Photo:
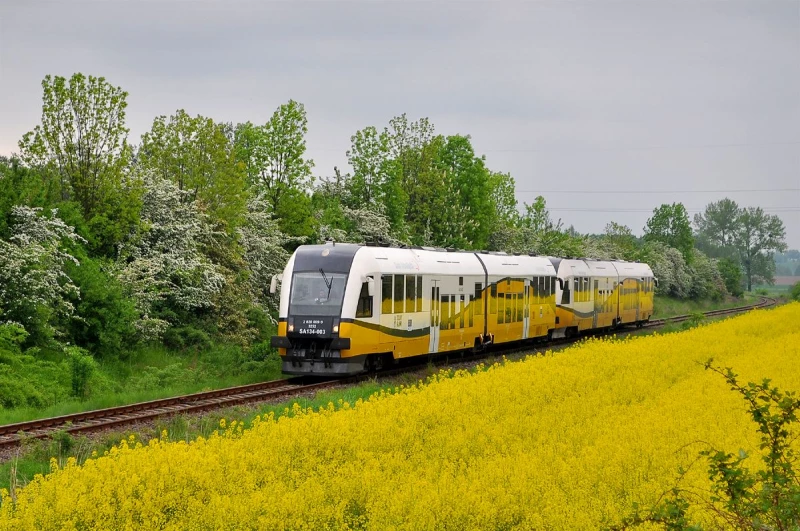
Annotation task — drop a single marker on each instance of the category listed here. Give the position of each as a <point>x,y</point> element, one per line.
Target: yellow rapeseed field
<point>562,441</point>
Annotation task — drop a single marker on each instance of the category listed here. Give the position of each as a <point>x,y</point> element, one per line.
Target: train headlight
<point>335,329</point>
<point>290,328</point>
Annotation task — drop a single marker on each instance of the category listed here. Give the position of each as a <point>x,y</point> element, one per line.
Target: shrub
<point>796,291</point>
<point>83,367</point>
<point>745,499</point>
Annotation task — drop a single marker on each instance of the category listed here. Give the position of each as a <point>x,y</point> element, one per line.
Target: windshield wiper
<point>328,283</point>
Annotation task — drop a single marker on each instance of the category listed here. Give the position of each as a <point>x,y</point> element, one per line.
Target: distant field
<point>786,281</point>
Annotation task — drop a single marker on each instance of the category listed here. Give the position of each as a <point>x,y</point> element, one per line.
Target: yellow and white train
<point>348,308</point>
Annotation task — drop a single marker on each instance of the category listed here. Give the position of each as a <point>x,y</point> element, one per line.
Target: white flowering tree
<point>264,251</point>
<point>164,264</point>
<point>35,291</point>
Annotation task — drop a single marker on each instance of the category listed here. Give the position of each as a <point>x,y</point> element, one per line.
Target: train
<point>348,308</point>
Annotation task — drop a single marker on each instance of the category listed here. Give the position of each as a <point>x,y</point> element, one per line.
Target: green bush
<point>766,497</point>
<point>187,338</point>
<point>83,366</point>
<point>732,276</point>
<point>106,315</point>
<point>795,293</point>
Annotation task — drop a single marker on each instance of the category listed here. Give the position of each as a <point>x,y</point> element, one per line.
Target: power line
<point>650,210</point>
<point>660,191</point>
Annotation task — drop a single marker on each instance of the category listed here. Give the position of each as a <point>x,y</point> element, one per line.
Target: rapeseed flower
<point>568,440</point>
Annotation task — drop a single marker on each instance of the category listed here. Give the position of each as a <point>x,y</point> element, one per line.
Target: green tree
<point>732,275</point>
<point>757,237</point>
<point>717,227</point>
<point>795,293</point>
<point>81,141</point>
<point>196,155</point>
<point>621,240</point>
<point>273,154</point>
<point>670,225</point>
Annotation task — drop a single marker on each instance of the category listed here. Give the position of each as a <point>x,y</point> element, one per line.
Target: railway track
<point>101,419</point>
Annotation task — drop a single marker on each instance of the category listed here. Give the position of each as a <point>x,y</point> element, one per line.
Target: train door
<point>598,303</point>
<point>526,307</point>
<point>435,317</point>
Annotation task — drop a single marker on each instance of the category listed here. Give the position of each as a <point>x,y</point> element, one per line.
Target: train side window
<point>364,307</point>
<point>478,292</point>
<point>501,311</point>
<point>452,312</point>
<point>462,309</point>
<point>509,309</point>
<point>460,281</point>
<point>419,293</point>
<point>553,286</point>
<point>493,299</point>
<point>519,306</point>
<point>543,285</point>
<point>472,305</point>
<point>411,293</point>
<point>386,294</point>
<point>445,309</point>
<point>398,294</point>
<point>565,295</point>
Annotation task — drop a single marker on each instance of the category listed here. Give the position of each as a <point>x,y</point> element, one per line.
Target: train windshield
<point>317,293</point>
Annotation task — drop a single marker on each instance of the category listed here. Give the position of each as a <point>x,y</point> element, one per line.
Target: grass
<point>156,373</point>
<point>669,307</point>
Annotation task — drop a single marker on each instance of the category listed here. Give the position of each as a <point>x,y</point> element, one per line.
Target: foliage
<point>82,138</point>
<point>759,235</point>
<point>273,156</point>
<point>795,293</point>
<point>536,232</point>
<point>731,275</point>
<point>164,266</point>
<point>35,290</point>
<point>717,227</point>
<point>83,367</point>
<point>707,281</point>
<point>670,225</point>
<point>456,458</point>
<point>196,155</point>
<point>743,497</point>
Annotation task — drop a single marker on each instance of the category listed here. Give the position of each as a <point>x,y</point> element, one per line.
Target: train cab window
<point>493,299</point>
<point>411,293</point>
<point>565,294</point>
<point>419,293</point>
<point>398,294</point>
<point>543,291</point>
<point>386,294</point>
<point>445,308</point>
<point>478,305</point>
<point>364,307</point>
<point>552,286</point>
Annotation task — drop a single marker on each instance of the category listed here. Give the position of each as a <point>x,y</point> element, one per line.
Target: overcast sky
<point>681,99</point>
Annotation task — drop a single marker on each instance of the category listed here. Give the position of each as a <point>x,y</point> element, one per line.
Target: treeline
<point>106,244</point>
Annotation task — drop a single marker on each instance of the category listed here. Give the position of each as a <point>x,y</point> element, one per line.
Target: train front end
<point>313,293</point>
